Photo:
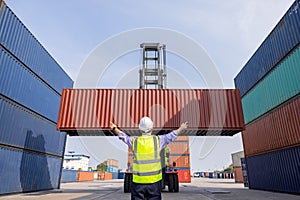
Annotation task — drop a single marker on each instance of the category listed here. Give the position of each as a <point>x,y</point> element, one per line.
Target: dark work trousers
<point>146,191</point>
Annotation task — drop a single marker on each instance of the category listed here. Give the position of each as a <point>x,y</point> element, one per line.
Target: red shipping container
<point>181,161</point>
<point>104,176</point>
<point>85,176</point>
<point>277,130</point>
<point>184,176</point>
<point>206,174</point>
<point>209,112</point>
<point>238,175</point>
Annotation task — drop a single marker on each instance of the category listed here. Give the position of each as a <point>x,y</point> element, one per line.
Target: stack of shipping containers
<point>179,153</point>
<point>112,167</point>
<point>270,89</point>
<point>31,150</point>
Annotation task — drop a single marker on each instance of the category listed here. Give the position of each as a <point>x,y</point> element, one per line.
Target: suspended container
<point>282,39</point>
<point>209,112</point>
<point>20,42</point>
<point>277,87</point>
<point>276,130</point>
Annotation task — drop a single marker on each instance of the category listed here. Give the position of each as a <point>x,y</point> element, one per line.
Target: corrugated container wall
<point>275,171</point>
<point>30,86</point>
<point>85,176</point>
<point>104,176</point>
<point>23,86</point>
<point>184,176</point>
<point>19,171</point>
<point>24,129</point>
<point>276,130</point>
<point>283,38</point>
<point>18,40</point>
<point>278,86</point>
<point>216,111</point>
<point>69,175</point>
<point>238,175</point>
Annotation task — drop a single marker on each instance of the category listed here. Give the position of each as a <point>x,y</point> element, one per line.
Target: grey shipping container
<point>275,171</point>
<point>69,175</point>
<point>280,85</point>
<point>236,158</point>
<point>24,171</point>
<point>283,38</point>
<point>18,40</point>
<point>24,129</point>
<point>19,84</point>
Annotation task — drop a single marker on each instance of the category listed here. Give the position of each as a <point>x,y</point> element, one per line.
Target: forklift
<point>169,175</point>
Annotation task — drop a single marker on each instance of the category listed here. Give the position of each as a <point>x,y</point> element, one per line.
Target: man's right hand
<point>182,127</point>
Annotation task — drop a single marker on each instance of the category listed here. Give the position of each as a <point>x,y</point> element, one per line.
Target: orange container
<point>104,176</point>
<point>212,110</point>
<point>179,147</point>
<point>112,162</point>
<point>184,176</point>
<point>182,138</point>
<point>238,175</point>
<point>181,161</point>
<point>206,174</point>
<point>85,176</point>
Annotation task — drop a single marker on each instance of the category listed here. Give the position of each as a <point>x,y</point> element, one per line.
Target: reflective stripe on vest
<point>146,163</point>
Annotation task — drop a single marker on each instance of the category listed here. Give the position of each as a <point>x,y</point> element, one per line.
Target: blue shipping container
<point>244,172</point>
<point>69,175</point>
<point>24,172</point>
<point>121,175</point>
<point>21,128</point>
<point>115,175</point>
<point>283,38</point>
<point>111,169</point>
<point>19,84</point>
<point>280,85</point>
<point>15,37</point>
<point>275,171</point>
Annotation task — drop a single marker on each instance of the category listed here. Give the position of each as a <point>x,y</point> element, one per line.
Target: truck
<point>170,179</point>
<point>169,174</point>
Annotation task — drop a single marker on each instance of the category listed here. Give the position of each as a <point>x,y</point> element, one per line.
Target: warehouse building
<point>76,161</point>
<point>31,81</point>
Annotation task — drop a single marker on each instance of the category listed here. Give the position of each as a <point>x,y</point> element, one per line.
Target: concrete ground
<point>200,188</point>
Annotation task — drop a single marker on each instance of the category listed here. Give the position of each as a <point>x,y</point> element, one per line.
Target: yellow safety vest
<point>146,159</point>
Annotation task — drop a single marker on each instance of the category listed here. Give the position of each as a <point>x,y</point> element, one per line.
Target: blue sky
<point>229,31</point>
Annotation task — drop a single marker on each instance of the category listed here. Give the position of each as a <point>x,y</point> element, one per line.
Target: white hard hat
<point>146,125</point>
